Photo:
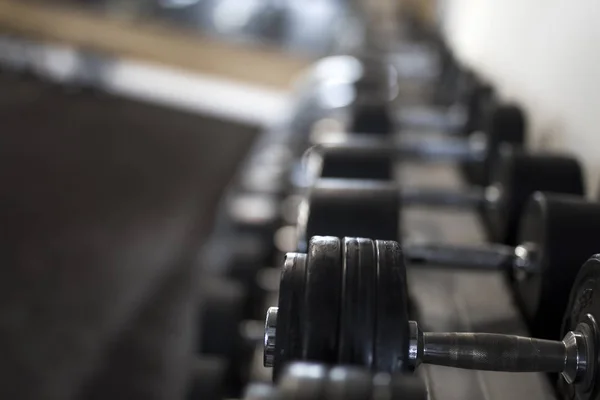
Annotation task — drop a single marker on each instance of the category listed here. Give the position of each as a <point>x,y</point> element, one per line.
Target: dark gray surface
<point>103,206</point>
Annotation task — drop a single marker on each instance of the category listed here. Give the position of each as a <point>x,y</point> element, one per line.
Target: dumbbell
<point>345,302</point>
<point>341,155</point>
<point>356,90</point>
<point>313,381</point>
<point>369,208</point>
<point>365,86</point>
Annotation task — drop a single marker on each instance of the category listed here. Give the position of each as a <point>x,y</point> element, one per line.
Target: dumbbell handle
<point>364,145</point>
<point>448,149</point>
<point>427,118</point>
<point>483,257</point>
<point>468,199</point>
<point>495,352</point>
<point>347,189</point>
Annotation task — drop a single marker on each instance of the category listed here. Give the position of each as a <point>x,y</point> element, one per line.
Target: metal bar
<point>484,257</point>
<point>494,352</point>
<point>468,199</point>
<point>448,149</point>
<point>364,145</point>
<point>431,119</point>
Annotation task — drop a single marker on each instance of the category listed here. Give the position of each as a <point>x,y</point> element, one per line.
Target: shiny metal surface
<point>426,118</point>
<point>270,336</point>
<point>526,260</point>
<point>479,257</point>
<point>405,148</point>
<point>496,352</point>
<point>509,353</point>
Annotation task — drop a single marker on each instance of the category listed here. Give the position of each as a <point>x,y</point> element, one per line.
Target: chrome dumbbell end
<point>525,260</point>
<point>270,337</point>
<point>572,357</point>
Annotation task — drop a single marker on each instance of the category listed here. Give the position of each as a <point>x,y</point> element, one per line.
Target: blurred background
<point>124,123</point>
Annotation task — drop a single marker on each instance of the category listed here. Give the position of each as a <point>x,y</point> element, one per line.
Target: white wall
<point>544,54</point>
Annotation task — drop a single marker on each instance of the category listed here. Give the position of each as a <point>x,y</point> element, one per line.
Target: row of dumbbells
<point>506,176</point>
<point>265,188</point>
<point>544,229</point>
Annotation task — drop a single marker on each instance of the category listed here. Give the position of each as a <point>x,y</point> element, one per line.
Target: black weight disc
<point>349,383</point>
<point>563,230</point>
<point>584,308</point>
<point>357,311</point>
<point>303,381</point>
<point>391,330</point>
<point>516,176</point>
<point>506,124</point>
<point>373,119</point>
<point>354,208</point>
<point>359,163</point>
<point>477,101</point>
<point>501,124</point>
<point>288,345</point>
<point>322,293</point>
<point>370,166</point>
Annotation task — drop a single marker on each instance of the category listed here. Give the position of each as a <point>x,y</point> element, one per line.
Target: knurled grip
<point>493,352</point>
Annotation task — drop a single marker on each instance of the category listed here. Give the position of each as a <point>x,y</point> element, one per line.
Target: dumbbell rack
<point>455,300</point>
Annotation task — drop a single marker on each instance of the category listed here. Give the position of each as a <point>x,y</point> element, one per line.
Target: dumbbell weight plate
<point>288,345</point>
<point>584,307</point>
<point>507,124</point>
<point>359,283</point>
<point>363,166</point>
<point>325,297</point>
<point>350,208</point>
<point>478,99</point>
<point>372,118</point>
<point>516,177</point>
<point>322,296</point>
<point>563,231</point>
<point>500,124</point>
<point>391,340</point>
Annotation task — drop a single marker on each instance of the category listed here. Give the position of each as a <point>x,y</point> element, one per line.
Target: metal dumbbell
<point>345,302</point>
<point>313,381</point>
<point>357,91</point>
<point>364,208</point>
<point>343,155</point>
<point>343,82</point>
